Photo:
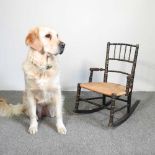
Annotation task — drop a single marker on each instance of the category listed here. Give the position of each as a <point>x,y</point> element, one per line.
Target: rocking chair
<point>114,91</point>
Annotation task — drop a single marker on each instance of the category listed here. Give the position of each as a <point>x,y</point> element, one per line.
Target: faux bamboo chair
<point>113,90</point>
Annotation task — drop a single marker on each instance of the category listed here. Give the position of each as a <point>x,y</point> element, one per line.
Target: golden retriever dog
<point>42,95</point>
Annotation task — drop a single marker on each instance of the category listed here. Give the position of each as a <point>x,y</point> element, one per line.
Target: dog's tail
<point>8,110</point>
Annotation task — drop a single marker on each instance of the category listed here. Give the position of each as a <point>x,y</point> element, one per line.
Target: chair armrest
<point>129,84</point>
<point>91,72</point>
<point>97,69</point>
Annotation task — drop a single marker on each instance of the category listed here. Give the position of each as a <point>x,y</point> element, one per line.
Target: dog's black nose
<point>62,45</point>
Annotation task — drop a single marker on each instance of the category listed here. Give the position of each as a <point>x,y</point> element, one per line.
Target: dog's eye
<point>48,36</point>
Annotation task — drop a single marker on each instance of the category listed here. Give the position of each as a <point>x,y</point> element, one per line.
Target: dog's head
<point>45,40</point>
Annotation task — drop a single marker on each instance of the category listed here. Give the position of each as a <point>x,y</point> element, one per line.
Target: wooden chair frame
<point>129,86</point>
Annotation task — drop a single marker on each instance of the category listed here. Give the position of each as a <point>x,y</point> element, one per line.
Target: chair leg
<point>112,110</point>
<point>76,109</point>
<point>77,97</point>
<point>129,104</point>
<point>104,100</point>
<point>127,115</point>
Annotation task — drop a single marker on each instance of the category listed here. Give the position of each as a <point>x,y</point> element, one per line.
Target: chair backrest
<point>121,52</point>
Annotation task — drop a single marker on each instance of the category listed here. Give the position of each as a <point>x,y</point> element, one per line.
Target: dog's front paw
<point>62,129</point>
<point>33,129</point>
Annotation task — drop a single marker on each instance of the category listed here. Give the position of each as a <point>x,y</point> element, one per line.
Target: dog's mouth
<point>49,54</point>
<point>60,50</point>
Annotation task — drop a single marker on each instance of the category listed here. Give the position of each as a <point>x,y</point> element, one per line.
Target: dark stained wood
<point>110,105</point>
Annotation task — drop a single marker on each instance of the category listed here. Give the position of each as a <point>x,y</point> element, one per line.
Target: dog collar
<point>46,67</point>
<point>43,67</point>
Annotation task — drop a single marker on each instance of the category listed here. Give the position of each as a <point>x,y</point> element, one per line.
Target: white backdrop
<point>85,26</point>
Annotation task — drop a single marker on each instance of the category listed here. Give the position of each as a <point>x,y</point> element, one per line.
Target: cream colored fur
<point>42,85</point>
<point>9,110</point>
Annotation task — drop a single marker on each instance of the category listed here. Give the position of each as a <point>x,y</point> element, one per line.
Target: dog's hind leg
<point>52,110</point>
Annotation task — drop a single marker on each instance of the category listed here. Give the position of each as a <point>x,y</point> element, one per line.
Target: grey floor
<point>86,134</point>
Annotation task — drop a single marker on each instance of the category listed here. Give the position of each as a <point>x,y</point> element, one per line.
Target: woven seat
<point>105,88</point>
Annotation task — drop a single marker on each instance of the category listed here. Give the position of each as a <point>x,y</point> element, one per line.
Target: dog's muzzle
<point>61,47</point>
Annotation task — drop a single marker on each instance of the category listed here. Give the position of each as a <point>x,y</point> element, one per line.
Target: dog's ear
<point>33,40</point>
